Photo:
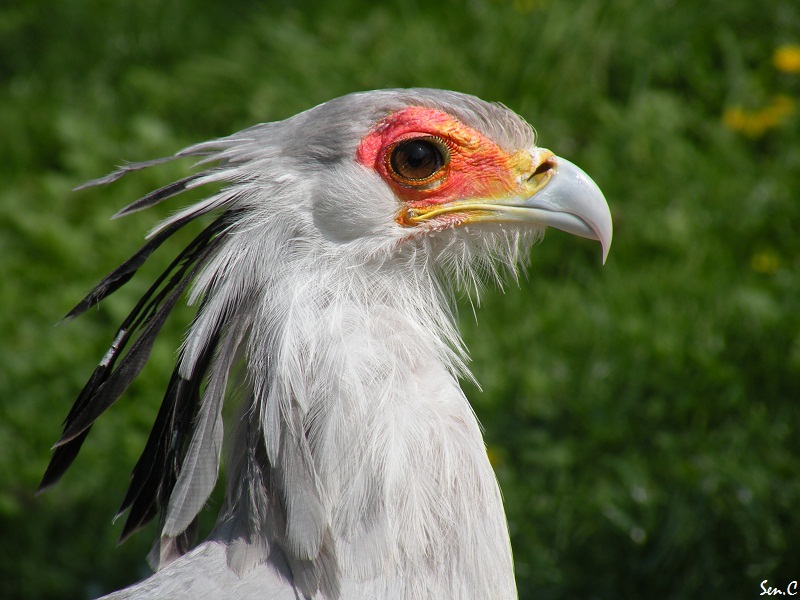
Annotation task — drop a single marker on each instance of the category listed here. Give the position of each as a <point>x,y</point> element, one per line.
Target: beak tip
<point>604,237</point>
<point>593,207</point>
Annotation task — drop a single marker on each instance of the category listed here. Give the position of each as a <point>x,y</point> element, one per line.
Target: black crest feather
<point>110,380</point>
<point>157,469</point>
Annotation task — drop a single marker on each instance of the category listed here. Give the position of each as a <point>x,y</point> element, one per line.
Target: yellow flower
<point>781,107</point>
<point>495,456</point>
<point>735,118</point>
<point>755,123</point>
<point>786,58</point>
<point>766,262</point>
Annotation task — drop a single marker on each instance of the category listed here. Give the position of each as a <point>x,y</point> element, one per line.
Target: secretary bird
<point>356,468</point>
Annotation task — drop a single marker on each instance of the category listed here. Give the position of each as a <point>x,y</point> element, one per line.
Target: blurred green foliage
<point>642,416</point>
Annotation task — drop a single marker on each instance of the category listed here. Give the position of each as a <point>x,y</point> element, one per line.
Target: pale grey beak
<point>572,202</point>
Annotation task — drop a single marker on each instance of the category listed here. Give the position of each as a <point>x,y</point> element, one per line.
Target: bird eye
<point>418,159</point>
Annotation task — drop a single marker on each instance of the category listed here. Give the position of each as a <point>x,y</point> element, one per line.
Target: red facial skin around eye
<point>478,168</point>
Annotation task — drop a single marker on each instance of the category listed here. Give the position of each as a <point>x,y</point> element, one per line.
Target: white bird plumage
<point>356,467</point>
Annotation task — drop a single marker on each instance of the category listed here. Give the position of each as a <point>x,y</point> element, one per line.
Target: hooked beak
<point>558,194</point>
<point>572,202</point>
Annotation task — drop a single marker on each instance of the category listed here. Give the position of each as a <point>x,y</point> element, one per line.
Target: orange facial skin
<point>477,168</point>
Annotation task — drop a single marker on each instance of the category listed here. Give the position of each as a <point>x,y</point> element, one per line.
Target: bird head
<point>432,169</point>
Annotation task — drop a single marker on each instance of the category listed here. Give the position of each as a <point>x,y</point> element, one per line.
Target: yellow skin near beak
<point>557,193</point>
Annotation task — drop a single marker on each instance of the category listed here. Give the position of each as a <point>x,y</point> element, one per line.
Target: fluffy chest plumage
<point>397,477</point>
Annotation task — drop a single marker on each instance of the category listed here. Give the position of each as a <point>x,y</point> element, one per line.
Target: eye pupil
<point>416,159</point>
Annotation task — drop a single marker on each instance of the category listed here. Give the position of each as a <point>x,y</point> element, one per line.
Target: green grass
<point>642,415</point>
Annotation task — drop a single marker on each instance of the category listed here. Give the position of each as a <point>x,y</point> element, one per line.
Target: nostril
<point>546,165</point>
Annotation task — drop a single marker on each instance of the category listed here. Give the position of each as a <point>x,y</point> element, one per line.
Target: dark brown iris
<point>417,159</point>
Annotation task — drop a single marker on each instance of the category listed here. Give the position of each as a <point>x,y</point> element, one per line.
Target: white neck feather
<point>358,376</point>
